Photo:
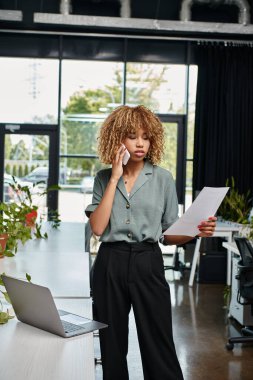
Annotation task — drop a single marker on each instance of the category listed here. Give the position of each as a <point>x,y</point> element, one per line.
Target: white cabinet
<point>242,313</point>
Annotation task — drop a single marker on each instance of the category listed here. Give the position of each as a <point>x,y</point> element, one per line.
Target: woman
<point>132,204</point>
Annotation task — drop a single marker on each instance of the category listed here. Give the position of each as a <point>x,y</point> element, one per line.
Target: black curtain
<point>223,142</point>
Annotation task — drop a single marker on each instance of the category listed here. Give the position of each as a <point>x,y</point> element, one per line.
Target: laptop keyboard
<point>69,327</point>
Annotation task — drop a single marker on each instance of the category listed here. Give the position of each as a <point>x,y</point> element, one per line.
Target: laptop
<point>245,249</point>
<point>33,304</point>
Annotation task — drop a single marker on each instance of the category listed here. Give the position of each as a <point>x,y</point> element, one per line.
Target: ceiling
<point>150,9</point>
<point>140,9</point>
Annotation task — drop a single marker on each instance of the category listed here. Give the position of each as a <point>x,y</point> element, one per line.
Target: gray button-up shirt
<point>149,209</point>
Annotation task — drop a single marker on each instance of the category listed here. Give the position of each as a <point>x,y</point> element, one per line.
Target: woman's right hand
<point>117,167</point>
<point>100,217</point>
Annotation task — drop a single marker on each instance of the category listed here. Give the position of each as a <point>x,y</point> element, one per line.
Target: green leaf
<point>1,281</point>
<point>28,277</point>
<point>8,254</point>
<point>6,296</point>
<point>53,187</point>
<point>54,218</point>
<point>4,317</point>
<point>235,206</point>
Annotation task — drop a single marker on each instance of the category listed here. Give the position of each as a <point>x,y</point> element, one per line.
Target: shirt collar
<point>143,177</point>
<point>148,168</point>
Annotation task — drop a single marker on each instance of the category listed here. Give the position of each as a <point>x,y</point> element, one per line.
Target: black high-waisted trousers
<point>132,274</point>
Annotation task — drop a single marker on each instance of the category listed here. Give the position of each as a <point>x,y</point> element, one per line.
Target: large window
<point>169,161</point>
<point>29,90</point>
<point>27,159</point>
<point>193,75</point>
<point>90,90</point>
<point>159,87</point>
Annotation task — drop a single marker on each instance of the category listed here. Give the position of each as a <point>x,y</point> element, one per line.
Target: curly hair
<point>124,120</point>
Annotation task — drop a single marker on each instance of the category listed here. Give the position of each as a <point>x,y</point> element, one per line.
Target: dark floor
<point>201,328</point>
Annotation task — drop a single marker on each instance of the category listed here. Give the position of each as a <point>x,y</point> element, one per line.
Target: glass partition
<point>162,88</point>
<point>76,191</point>
<point>169,161</point>
<point>29,90</point>
<point>91,86</point>
<point>79,134</point>
<point>27,160</point>
<point>193,76</point>
<point>89,90</point>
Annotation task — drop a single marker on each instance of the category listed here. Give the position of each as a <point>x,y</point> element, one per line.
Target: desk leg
<point>194,261</point>
<point>229,261</point>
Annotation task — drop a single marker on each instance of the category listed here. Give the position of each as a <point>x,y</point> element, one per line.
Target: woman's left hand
<point>207,227</point>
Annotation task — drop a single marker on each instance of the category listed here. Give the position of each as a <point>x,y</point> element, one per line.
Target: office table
<point>222,230</point>
<point>58,262</point>
<point>232,247</point>
<point>28,353</point>
<point>61,264</point>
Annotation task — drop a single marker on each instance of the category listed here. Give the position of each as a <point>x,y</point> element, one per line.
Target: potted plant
<point>19,220</point>
<point>25,198</point>
<point>13,227</point>
<point>26,195</point>
<point>247,230</point>
<point>18,223</point>
<point>235,206</point>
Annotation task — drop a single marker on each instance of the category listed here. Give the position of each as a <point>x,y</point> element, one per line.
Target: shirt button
<point>127,205</point>
<point>129,235</point>
<point>127,221</point>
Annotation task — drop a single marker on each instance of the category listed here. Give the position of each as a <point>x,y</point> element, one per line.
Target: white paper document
<point>205,205</point>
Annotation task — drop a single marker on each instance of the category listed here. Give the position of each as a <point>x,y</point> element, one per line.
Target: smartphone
<point>126,157</point>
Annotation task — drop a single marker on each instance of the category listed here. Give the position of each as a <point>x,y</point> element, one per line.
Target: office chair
<point>245,288</point>
<point>177,265</point>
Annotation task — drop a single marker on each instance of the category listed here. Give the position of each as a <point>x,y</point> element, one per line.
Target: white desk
<point>222,230</point>
<point>232,247</point>
<point>28,353</point>
<point>61,264</point>
<point>58,262</point>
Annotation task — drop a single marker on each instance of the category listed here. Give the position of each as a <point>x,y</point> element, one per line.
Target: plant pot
<point>3,241</point>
